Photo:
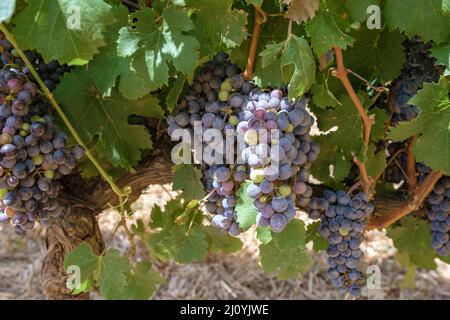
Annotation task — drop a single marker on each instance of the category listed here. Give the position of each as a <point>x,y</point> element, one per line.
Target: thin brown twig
<point>289,32</point>
<point>411,164</point>
<point>260,18</point>
<point>401,169</point>
<point>367,83</point>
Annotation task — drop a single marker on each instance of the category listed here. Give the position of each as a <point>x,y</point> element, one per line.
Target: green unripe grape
<point>251,137</point>
<point>233,120</point>
<point>263,199</point>
<point>38,160</point>
<point>343,232</point>
<point>23,133</point>
<point>289,128</point>
<point>26,126</point>
<point>3,192</point>
<point>219,203</point>
<point>241,167</point>
<point>257,175</point>
<point>37,119</point>
<point>223,95</point>
<point>274,142</point>
<point>226,86</point>
<point>284,190</point>
<point>49,174</point>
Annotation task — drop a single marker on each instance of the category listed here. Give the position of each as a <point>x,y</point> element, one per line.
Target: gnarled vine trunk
<point>84,200</point>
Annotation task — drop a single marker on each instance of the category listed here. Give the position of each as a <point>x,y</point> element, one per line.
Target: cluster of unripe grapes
<point>343,219</point>
<point>33,155</point>
<point>273,151</point>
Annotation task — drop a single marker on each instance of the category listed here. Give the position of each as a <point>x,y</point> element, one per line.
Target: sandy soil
<point>236,276</point>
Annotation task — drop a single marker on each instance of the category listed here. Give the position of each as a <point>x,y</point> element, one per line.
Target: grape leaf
<point>174,92</point>
<point>376,53</point>
<point>357,9</point>
<point>375,162</point>
<point>112,269</point>
<point>433,122</point>
<point>446,6</point>
<point>349,133</point>
<point>325,34</point>
<point>330,154</point>
<point>264,234</point>
<point>183,242</point>
<point>153,47</point>
<point>220,242</point>
<point>7,10</point>
<point>322,97</point>
<point>296,61</point>
<point>405,261</point>
<point>380,117</point>
<point>142,282</point>
<point>255,2</point>
<point>412,237</point>
<point>61,31</point>
<point>286,254</point>
<point>312,234</point>
<point>222,24</point>
<point>83,257</point>
<point>106,271</point>
<point>106,118</point>
<point>244,207</point>
<point>442,54</point>
<point>418,17</point>
<point>187,178</point>
<point>301,10</point>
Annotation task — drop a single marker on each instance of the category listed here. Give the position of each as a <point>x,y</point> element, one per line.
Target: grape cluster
<point>278,163</point>
<point>277,148</point>
<point>439,215</point>
<point>419,68</point>
<point>343,219</point>
<point>33,155</point>
<point>50,73</point>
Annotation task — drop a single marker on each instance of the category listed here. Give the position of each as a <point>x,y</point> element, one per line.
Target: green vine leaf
<point>442,54</point>
<point>187,178</point>
<point>312,235</point>
<point>247,213</point>
<point>433,123</point>
<point>295,58</point>
<point>221,24</point>
<point>220,242</point>
<point>152,47</point>
<point>61,31</point>
<point>142,282</point>
<point>106,118</point>
<point>412,237</point>
<point>414,16</point>
<point>325,34</point>
<point>286,254</point>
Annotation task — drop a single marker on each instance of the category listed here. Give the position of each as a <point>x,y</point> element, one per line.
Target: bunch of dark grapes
<point>33,155</point>
<point>419,68</point>
<point>343,219</point>
<point>206,104</point>
<point>439,215</point>
<point>51,72</point>
<point>221,99</point>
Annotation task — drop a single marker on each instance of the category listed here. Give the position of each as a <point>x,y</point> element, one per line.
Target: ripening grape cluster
<point>343,219</point>
<point>419,68</point>
<point>439,215</point>
<point>277,148</point>
<point>33,155</point>
<point>51,72</point>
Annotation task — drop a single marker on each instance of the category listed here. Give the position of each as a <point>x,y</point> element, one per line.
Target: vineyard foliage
<point>138,58</point>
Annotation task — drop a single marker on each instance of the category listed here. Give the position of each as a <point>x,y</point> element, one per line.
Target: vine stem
<point>260,18</point>
<point>412,205</point>
<point>342,73</point>
<point>66,121</point>
<point>411,164</point>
